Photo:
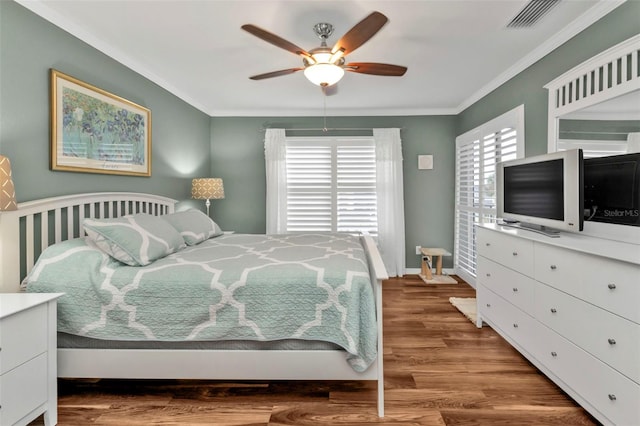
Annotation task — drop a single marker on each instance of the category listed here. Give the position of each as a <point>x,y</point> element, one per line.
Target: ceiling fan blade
<point>360,33</point>
<point>275,40</point>
<point>376,68</point>
<point>275,73</point>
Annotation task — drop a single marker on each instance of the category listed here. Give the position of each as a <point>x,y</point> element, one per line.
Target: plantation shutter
<point>477,154</point>
<point>331,185</point>
<point>467,199</point>
<point>356,201</point>
<point>309,188</point>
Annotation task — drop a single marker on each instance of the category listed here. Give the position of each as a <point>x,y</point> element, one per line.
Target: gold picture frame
<point>94,131</point>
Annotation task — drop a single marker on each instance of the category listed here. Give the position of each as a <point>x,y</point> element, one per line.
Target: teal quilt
<point>233,287</point>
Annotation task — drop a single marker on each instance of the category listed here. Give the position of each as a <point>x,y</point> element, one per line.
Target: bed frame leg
<point>381,399</point>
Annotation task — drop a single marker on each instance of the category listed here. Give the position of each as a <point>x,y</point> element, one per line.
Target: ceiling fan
<point>325,66</point>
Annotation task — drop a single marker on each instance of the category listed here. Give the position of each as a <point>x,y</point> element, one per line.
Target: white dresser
<point>571,305</point>
<point>28,379</point>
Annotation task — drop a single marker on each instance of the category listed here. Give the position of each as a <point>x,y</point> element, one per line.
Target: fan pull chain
<point>324,102</point>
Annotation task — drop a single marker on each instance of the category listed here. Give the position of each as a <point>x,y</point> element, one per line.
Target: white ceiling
<point>456,51</point>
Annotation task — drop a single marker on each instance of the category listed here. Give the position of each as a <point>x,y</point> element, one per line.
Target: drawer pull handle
<point>487,244</point>
<point>553,310</point>
<point>553,267</point>
<point>515,289</point>
<point>488,305</point>
<point>612,286</point>
<point>611,341</point>
<point>515,325</point>
<point>515,253</point>
<point>488,274</point>
<point>612,397</point>
<point>554,354</point>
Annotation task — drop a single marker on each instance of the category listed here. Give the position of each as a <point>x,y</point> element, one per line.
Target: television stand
<point>547,232</point>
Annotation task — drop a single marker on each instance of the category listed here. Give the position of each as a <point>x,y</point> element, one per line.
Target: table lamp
<point>207,189</point>
<point>7,191</point>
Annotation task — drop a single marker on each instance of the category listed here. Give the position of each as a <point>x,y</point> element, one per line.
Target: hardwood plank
<point>523,417</point>
<point>439,370</point>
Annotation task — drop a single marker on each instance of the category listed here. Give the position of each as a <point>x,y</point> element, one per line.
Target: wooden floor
<point>439,370</point>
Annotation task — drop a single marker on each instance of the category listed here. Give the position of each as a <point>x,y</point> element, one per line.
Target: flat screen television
<point>612,189</point>
<point>544,193</point>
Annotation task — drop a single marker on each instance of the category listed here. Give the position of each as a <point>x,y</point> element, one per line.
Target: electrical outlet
<point>418,248</point>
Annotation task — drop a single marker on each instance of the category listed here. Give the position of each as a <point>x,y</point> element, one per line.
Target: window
<point>477,153</point>
<point>345,184</point>
<point>331,185</point>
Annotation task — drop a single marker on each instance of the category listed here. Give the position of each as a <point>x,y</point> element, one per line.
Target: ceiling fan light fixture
<point>325,66</point>
<point>323,74</point>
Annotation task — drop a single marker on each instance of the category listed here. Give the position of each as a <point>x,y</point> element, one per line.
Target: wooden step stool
<point>427,264</point>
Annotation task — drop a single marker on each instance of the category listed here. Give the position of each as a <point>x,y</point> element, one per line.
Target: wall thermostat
<point>425,162</point>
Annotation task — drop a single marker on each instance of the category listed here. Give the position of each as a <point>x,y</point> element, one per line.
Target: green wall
<point>237,156</point>
<point>29,47</point>
<point>528,87</point>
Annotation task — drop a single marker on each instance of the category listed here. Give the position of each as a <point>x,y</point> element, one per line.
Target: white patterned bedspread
<point>233,287</point>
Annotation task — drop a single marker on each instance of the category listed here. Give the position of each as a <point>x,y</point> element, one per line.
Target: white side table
<point>28,370</point>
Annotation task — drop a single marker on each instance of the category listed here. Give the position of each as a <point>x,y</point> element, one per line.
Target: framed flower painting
<point>94,131</point>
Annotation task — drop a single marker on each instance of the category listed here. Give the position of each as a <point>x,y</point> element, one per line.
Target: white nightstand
<point>28,374</point>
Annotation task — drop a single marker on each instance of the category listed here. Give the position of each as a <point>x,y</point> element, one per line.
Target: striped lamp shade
<point>207,189</point>
<point>7,192</point>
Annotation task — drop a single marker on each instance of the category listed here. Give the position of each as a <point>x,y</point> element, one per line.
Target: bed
<point>30,231</point>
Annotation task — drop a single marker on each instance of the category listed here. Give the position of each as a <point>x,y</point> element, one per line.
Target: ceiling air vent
<point>532,12</point>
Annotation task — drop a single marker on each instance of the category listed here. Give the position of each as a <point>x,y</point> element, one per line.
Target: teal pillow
<point>136,240</point>
<point>194,226</point>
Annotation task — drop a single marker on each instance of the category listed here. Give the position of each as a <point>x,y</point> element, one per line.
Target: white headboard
<point>26,232</point>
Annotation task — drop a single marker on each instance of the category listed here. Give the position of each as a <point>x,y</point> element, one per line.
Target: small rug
<point>466,305</point>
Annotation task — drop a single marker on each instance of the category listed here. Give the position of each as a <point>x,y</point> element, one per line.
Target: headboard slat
<point>30,248</point>
<point>44,230</point>
<point>70,227</point>
<point>57,220</point>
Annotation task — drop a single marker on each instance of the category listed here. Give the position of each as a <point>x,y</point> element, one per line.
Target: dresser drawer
<point>609,392</point>
<point>23,389</point>
<point>614,340</point>
<point>560,312</point>
<point>616,289</point>
<point>608,283</point>
<point>507,319</point>
<point>514,253</point>
<point>23,337</point>
<point>513,286</point>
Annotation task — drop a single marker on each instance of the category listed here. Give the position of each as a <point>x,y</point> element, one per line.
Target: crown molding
<point>335,112</point>
<point>602,8</point>
<point>40,8</point>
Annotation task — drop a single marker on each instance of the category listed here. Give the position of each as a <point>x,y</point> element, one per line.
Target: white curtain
<point>275,157</point>
<point>390,193</point>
